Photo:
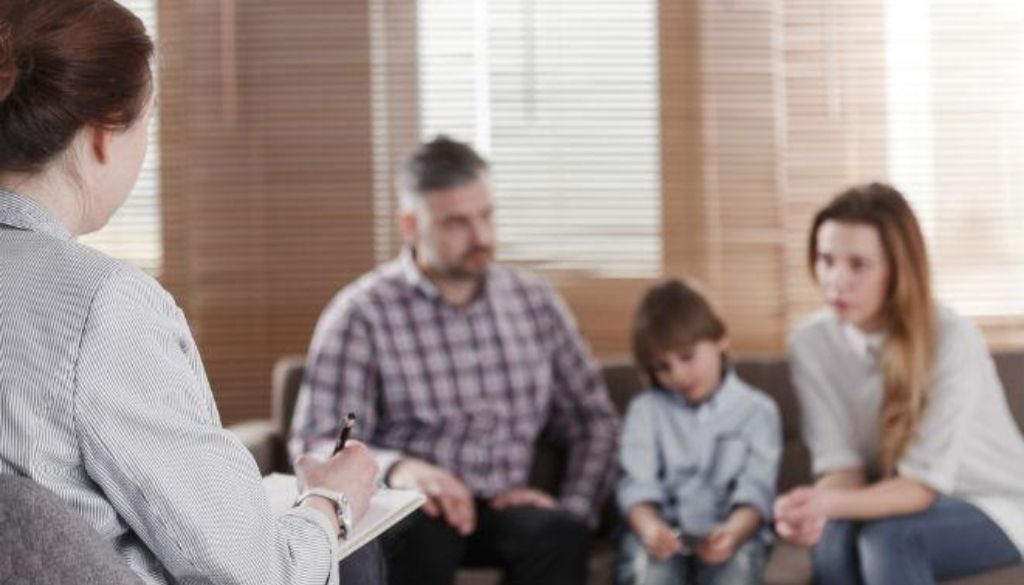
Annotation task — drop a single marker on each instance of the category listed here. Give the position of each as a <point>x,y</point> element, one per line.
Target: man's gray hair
<point>440,164</point>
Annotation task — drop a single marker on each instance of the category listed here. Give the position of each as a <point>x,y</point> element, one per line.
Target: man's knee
<point>556,530</point>
<point>422,549</point>
<point>563,527</point>
<point>422,532</point>
<point>545,547</point>
<point>366,565</point>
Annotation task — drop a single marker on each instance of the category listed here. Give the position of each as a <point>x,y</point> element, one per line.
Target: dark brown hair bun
<point>8,61</point>
<point>64,65</point>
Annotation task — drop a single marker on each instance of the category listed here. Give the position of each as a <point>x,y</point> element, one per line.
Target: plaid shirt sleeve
<point>583,415</point>
<point>341,377</point>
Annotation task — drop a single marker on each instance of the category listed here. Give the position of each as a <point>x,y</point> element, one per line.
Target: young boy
<point>699,454</point>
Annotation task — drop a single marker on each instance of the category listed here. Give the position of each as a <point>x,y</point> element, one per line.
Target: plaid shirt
<point>466,388</point>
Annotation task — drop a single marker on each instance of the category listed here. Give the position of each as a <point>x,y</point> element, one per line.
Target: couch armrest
<point>264,442</point>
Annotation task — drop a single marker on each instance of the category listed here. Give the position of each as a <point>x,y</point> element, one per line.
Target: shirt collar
<point>414,277</point>
<point>416,280</point>
<point>721,398</point>
<point>867,346</point>
<point>25,214</point>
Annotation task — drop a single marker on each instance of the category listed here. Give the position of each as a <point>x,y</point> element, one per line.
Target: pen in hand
<point>346,430</point>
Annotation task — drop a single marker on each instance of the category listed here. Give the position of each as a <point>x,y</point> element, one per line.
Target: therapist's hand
<point>446,495</point>
<point>353,472</point>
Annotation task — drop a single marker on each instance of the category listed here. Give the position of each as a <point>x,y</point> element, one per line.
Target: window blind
<point>134,232</point>
<point>629,143</point>
<point>958,144</point>
<point>562,97</point>
<point>268,177</point>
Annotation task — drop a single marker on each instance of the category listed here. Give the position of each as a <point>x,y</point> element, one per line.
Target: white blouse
<point>968,444</point>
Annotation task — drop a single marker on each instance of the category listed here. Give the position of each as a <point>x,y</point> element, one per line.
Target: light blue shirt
<point>697,462</point>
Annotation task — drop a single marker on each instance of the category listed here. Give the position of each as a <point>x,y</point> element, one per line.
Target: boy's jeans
<point>633,566</point>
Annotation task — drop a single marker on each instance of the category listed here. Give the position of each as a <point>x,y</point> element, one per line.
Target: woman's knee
<point>835,557</point>
<point>892,536</point>
<point>892,552</point>
<point>837,546</point>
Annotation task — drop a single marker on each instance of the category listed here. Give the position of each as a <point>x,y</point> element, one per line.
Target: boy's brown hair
<point>672,315</point>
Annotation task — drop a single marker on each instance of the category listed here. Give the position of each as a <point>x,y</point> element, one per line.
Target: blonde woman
<point>919,464</point>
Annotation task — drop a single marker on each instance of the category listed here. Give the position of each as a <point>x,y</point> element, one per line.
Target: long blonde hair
<point>908,356</point>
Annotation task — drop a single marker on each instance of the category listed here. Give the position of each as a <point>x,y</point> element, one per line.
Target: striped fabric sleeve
<point>151,440</point>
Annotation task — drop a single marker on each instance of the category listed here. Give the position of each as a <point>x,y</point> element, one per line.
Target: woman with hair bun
<point>103,397</point>
<point>920,465</point>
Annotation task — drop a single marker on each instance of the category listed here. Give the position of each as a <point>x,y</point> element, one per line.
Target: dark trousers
<point>532,546</point>
<point>363,567</point>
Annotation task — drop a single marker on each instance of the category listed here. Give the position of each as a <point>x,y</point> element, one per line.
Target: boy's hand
<point>659,539</point>
<point>719,546</point>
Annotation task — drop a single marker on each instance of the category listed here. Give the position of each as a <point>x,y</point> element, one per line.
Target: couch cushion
<point>1010,365</point>
<point>43,542</point>
<point>789,565</point>
<point>286,380</point>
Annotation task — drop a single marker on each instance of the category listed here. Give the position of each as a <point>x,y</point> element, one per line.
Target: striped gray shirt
<point>104,401</point>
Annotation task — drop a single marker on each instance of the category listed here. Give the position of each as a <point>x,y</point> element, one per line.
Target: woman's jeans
<point>634,566</point>
<point>950,539</point>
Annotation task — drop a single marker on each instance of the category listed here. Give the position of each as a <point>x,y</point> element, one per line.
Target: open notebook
<point>387,507</point>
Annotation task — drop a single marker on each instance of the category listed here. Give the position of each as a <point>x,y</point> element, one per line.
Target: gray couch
<point>43,543</point>
<point>788,565</point>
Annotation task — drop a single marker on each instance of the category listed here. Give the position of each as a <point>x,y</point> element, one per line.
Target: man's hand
<point>800,516</point>
<point>719,546</point>
<point>523,496</point>
<point>353,472</point>
<point>446,494</point>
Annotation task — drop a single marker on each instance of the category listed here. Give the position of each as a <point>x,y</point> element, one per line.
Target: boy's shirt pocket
<point>728,456</point>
